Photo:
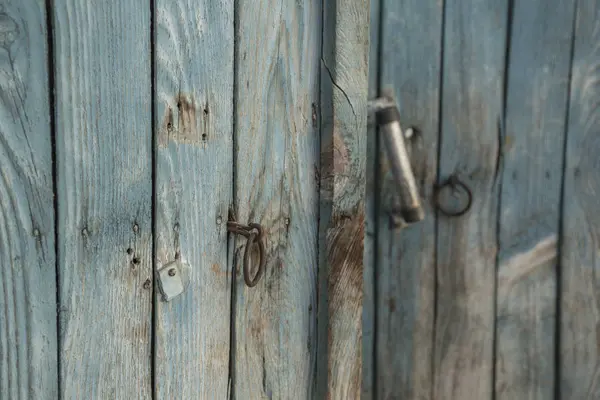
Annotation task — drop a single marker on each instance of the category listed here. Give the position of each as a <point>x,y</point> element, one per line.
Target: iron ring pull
<point>453,182</point>
<point>254,236</point>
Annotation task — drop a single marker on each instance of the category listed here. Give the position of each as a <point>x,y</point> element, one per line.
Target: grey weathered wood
<point>532,156</point>
<point>194,158</point>
<point>411,43</point>
<point>104,189</point>
<point>28,337</point>
<point>580,265</point>
<point>344,90</point>
<point>474,52</point>
<point>370,241</point>
<point>277,157</point>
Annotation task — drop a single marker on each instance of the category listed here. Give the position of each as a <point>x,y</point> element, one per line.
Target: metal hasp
<point>171,282</point>
<point>387,118</point>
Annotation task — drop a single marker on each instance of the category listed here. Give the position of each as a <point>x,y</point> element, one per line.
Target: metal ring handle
<point>452,182</point>
<point>252,240</point>
<point>253,233</point>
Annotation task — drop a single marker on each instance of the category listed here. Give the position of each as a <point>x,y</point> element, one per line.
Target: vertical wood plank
<point>370,256</point>
<point>474,55</point>
<point>580,264</point>
<point>194,165</point>
<point>532,156</point>
<point>344,91</point>
<point>411,43</point>
<point>103,144</point>
<point>277,145</point>
<point>28,337</point>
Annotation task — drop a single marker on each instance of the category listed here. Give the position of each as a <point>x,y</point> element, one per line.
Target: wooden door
<point>131,132</point>
<point>498,302</point>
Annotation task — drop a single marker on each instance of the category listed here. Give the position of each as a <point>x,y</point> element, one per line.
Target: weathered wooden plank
<point>370,241</point>
<point>104,185</point>
<point>472,107</point>
<point>580,264</point>
<point>277,156</point>
<point>28,337</point>
<point>536,104</point>
<point>194,165</point>
<point>344,90</point>
<point>411,42</point>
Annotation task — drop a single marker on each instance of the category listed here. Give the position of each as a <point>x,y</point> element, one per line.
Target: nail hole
<point>147,284</point>
<point>206,111</point>
<point>84,231</point>
<point>172,272</point>
<point>130,251</point>
<point>204,136</point>
<point>136,260</point>
<point>136,227</point>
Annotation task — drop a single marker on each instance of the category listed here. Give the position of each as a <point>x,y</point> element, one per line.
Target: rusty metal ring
<point>253,233</point>
<point>453,182</point>
<point>252,240</point>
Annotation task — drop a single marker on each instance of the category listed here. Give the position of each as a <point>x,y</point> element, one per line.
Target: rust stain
<point>184,122</point>
<point>216,268</point>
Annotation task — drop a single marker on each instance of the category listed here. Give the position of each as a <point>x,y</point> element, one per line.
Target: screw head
<point>172,272</point>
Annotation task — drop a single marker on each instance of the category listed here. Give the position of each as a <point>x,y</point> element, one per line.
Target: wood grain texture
<point>411,43</point>
<point>371,196</point>
<point>194,165</point>
<point>103,145</point>
<point>532,156</point>
<point>580,264</point>
<point>344,90</point>
<point>474,53</point>
<point>28,337</point>
<point>277,155</point>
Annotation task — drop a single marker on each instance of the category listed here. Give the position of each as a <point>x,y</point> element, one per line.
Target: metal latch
<point>387,118</point>
<point>173,279</point>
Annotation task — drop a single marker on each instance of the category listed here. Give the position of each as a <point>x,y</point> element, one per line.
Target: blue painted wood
<point>472,106</point>
<point>532,154</point>
<point>411,44</point>
<point>580,264</point>
<point>103,147</point>
<point>344,91</point>
<point>276,178</point>
<point>28,337</point>
<point>370,241</point>
<point>194,166</point>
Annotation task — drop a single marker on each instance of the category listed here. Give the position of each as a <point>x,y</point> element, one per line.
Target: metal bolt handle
<point>388,119</point>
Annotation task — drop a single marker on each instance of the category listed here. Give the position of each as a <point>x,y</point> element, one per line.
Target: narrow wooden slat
<point>472,96</point>
<point>28,337</point>
<point>368,324</point>
<point>194,159</point>
<point>277,131</point>
<point>580,264</point>
<point>344,90</point>
<point>411,43</point>
<point>103,144</point>
<point>536,104</point>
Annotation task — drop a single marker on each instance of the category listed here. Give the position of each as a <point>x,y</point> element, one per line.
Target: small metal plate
<point>171,279</point>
